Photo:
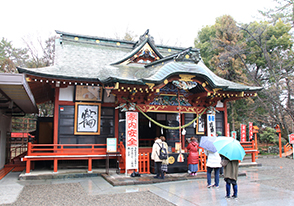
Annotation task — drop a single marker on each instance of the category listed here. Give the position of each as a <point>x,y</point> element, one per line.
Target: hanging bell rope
<point>167,127</point>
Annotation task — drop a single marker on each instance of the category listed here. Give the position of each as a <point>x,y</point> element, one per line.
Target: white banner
<point>132,138</point>
<point>211,130</point>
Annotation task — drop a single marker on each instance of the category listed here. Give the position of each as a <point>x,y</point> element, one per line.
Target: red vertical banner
<point>234,134</point>
<point>228,130</point>
<point>250,130</point>
<point>132,138</point>
<point>243,133</point>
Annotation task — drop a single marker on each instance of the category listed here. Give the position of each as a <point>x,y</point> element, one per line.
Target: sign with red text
<point>132,138</point>
<point>291,138</point>
<point>228,130</point>
<point>243,133</point>
<point>250,130</point>
<point>234,134</point>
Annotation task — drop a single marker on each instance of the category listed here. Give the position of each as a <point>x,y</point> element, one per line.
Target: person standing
<point>193,158</point>
<point>213,163</point>
<point>221,171</point>
<point>155,156</point>
<point>164,164</point>
<point>231,168</point>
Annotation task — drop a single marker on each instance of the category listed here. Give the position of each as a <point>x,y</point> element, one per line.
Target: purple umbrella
<point>206,142</point>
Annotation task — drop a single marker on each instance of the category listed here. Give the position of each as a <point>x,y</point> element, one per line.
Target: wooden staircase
<point>16,165</point>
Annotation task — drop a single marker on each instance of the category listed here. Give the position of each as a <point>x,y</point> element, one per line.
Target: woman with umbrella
<point>230,175</point>
<point>213,163</point>
<point>232,151</point>
<point>193,157</point>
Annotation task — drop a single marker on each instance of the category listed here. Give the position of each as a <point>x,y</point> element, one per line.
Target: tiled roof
<point>89,58</point>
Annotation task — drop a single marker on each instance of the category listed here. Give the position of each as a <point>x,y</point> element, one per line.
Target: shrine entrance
<point>148,130</point>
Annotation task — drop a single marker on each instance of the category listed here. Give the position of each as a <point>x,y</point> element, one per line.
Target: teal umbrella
<point>229,147</point>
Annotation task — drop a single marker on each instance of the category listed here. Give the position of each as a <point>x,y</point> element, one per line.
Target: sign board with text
<point>291,138</point>
<point>132,138</point>
<point>243,133</point>
<point>234,134</point>
<point>111,145</point>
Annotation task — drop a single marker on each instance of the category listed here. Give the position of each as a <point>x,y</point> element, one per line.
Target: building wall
<point>5,126</point>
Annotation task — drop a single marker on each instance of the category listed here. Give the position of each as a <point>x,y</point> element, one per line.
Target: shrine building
<point>100,85</point>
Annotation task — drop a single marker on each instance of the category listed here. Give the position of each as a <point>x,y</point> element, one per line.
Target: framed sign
<point>87,118</point>
<point>88,93</point>
<point>200,125</point>
<point>111,145</point>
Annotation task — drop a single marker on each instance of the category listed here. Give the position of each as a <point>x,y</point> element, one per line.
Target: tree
<point>204,43</point>
<point>11,57</point>
<point>41,55</point>
<point>270,64</point>
<point>284,11</point>
<point>222,49</point>
<point>268,135</point>
<point>228,47</point>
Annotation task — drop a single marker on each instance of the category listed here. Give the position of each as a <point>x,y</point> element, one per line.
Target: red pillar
<point>90,165</point>
<point>56,116</point>
<point>55,165</point>
<point>225,117</point>
<point>28,166</point>
<point>280,144</point>
<point>278,130</point>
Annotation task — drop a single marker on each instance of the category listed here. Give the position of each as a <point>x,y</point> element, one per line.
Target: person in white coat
<point>213,163</point>
<point>155,156</point>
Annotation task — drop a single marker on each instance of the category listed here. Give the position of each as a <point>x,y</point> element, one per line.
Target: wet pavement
<point>254,187</point>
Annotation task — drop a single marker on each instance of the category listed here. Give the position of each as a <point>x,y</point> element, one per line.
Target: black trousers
<point>159,172</point>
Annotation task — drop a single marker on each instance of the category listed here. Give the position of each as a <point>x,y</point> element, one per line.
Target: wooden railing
<point>202,161</point>
<point>17,150</point>
<point>287,150</point>
<point>66,149</point>
<point>250,148</point>
<point>55,152</point>
<point>144,163</point>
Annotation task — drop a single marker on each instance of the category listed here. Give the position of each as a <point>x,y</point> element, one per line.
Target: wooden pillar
<point>183,136</point>
<point>55,165</point>
<point>116,123</point>
<point>29,149</point>
<point>90,165</point>
<point>278,130</point>
<point>56,116</point>
<point>225,117</point>
<point>28,166</point>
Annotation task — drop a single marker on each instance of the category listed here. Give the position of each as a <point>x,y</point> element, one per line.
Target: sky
<point>173,23</point>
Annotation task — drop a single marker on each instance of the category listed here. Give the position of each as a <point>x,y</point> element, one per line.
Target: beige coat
<point>165,162</point>
<point>155,150</point>
<point>230,168</point>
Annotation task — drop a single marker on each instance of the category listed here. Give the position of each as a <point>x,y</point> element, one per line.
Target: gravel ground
<point>280,169</point>
<point>74,194</point>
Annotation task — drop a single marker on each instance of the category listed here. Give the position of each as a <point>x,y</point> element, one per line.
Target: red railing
<point>250,148</point>
<point>65,149</point>
<point>202,161</point>
<point>144,163</point>
<point>55,152</point>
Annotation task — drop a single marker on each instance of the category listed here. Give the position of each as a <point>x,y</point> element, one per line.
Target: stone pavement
<point>260,186</point>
